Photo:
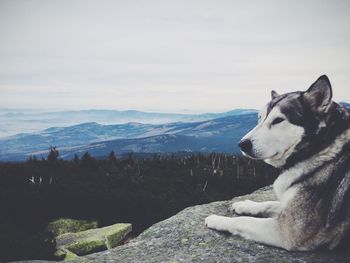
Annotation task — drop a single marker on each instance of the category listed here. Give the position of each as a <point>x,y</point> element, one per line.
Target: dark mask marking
<point>273,103</point>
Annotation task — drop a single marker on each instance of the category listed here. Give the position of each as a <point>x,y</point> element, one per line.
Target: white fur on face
<point>274,143</point>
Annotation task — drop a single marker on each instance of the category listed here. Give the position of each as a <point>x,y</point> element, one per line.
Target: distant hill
<point>188,133</point>
<point>345,104</point>
<point>220,134</point>
<point>14,121</point>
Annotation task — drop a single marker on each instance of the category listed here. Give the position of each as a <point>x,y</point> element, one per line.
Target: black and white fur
<point>307,135</point>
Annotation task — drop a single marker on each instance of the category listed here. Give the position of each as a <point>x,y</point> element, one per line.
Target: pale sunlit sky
<point>171,56</point>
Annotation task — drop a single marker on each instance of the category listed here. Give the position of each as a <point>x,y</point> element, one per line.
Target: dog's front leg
<point>264,209</point>
<point>262,230</point>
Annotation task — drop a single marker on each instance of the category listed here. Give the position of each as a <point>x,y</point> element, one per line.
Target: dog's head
<point>286,121</point>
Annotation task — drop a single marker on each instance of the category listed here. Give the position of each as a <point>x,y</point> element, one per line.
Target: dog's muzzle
<point>246,146</point>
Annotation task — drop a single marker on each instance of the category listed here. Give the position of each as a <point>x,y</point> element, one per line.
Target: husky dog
<point>307,136</point>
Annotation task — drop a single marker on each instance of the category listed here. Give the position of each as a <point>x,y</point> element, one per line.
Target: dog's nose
<point>246,145</point>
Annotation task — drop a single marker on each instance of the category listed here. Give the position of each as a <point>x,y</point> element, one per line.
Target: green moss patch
<point>93,240</point>
<point>67,225</point>
<point>87,246</point>
<point>117,234</point>
<point>64,254</point>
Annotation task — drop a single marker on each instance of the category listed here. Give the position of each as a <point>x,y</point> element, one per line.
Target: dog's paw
<point>246,207</point>
<point>212,221</point>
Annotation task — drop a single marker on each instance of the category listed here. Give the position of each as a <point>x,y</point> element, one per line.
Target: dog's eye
<point>277,120</point>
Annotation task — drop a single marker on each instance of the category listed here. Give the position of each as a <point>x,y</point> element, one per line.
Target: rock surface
<point>184,238</point>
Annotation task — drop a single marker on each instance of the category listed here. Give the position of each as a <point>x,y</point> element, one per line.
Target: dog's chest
<point>283,185</point>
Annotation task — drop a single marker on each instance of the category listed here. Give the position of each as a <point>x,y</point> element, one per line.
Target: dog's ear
<point>319,95</point>
<point>274,94</point>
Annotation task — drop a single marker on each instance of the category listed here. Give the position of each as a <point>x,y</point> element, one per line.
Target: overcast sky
<point>172,56</point>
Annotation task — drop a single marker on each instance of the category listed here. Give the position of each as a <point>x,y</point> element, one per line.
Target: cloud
<point>168,55</point>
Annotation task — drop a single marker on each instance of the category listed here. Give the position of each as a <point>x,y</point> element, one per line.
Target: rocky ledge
<point>184,238</point>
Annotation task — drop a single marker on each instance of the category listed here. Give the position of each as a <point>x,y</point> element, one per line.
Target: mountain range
<point>219,132</point>
<point>14,121</point>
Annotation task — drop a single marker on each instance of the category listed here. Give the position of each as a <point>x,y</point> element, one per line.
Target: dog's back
<point>319,213</point>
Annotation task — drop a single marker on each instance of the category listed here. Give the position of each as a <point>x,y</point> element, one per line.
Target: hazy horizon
<point>168,56</point>
<point>183,111</point>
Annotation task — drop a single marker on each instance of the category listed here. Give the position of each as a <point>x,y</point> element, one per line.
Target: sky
<point>168,56</point>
